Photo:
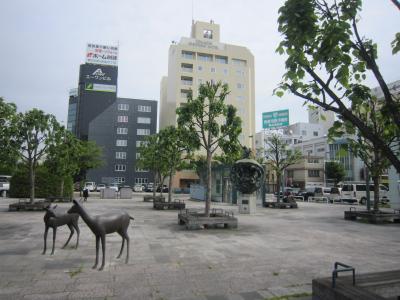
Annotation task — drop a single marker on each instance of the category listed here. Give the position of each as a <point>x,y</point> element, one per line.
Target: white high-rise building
<point>323,117</point>
<point>200,58</point>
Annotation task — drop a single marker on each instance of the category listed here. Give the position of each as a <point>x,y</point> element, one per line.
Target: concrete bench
<point>372,217</point>
<point>193,219</point>
<point>162,204</point>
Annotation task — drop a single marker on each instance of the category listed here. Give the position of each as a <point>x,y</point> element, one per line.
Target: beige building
<point>200,58</point>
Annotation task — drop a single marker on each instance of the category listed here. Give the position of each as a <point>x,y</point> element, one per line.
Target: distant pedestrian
<point>85,194</point>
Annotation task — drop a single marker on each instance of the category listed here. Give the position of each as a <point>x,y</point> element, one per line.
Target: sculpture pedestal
<point>247,203</point>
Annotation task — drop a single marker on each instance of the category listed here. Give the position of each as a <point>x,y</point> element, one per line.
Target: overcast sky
<point>43,42</point>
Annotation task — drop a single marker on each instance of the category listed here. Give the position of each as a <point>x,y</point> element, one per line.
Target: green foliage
<point>396,44</point>
<point>46,184</point>
<point>211,125</point>
<point>327,62</point>
<point>88,156</point>
<point>335,171</point>
<point>8,129</point>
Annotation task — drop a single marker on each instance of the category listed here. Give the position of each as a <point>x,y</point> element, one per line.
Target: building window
<point>239,62</point>
<point>321,150</point>
<point>315,133</point>
<point>188,54</point>
<point>240,98</point>
<point>144,108</point>
<point>221,59</point>
<point>137,155</point>
<point>120,168</point>
<point>225,71</point>
<point>186,80</point>
<point>304,132</point>
<point>123,119</point>
<point>204,57</point>
<point>185,93</point>
<point>120,155</point>
<point>141,170</point>
<point>213,70</point>
<point>141,180</point>
<point>122,130</point>
<point>143,131</point>
<point>123,106</point>
<point>240,86</point>
<point>122,143</point>
<point>240,73</point>
<point>200,68</point>
<point>207,34</point>
<point>313,173</point>
<point>143,120</point>
<point>119,179</point>
<point>187,68</point>
<point>141,143</point>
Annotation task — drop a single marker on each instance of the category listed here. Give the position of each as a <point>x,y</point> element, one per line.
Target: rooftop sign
<point>275,119</point>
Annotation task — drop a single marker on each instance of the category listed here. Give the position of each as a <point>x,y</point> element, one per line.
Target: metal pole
<point>367,188</point>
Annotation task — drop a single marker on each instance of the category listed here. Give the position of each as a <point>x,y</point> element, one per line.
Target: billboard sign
<point>275,119</point>
<point>102,55</point>
<point>97,87</point>
<point>98,74</point>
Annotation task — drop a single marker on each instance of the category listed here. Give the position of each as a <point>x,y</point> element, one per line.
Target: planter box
<point>281,204</point>
<point>218,218</point>
<point>149,198</point>
<point>162,204</point>
<point>24,205</point>
<point>371,216</point>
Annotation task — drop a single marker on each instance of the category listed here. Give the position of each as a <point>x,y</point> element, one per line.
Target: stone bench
<point>24,204</point>
<point>281,204</point>
<point>58,199</point>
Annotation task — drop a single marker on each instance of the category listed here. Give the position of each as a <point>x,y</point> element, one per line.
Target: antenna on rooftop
<point>192,11</point>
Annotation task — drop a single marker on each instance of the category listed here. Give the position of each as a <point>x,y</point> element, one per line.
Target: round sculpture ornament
<point>247,175</point>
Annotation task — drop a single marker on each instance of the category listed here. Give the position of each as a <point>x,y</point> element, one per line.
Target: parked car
<point>100,186</point>
<point>164,189</point>
<point>357,192</point>
<point>124,186</point>
<point>334,195</point>
<point>138,188</point>
<point>113,186</point>
<point>90,186</point>
<point>4,184</point>
<point>322,192</point>
<point>149,187</point>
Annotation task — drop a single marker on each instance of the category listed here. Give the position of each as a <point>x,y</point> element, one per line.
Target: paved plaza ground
<point>272,253</point>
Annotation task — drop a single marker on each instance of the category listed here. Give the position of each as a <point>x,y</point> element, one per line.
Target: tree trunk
<point>376,192</point>
<point>208,195</point>
<point>225,190</point>
<point>170,187</point>
<point>154,186</point>
<point>32,181</point>
<point>278,187</point>
<point>62,187</point>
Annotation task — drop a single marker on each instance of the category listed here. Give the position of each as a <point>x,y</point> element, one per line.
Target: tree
<point>327,61</point>
<point>370,153</point>
<point>334,170</point>
<point>211,123</point>
<point>151,159</point>
<point>64,155</point>
<point>8,129</point>
<point>173,146</point>
<point>279,157</point>
<point>89,156</point>
<point>35,133</point>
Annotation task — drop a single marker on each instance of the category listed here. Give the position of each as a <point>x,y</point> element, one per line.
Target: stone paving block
<point>47,296</point>
<point>251,296</point>
<point>217,297</point>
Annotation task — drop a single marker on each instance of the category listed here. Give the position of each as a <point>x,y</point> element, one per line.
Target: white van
<point>357,192</point>
<point>90,186</point>
<point>4,185</point>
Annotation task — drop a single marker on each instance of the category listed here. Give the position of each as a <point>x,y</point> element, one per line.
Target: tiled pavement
<point>272,253</point>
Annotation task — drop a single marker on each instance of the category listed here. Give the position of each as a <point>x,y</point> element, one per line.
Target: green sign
<point>275,119</point>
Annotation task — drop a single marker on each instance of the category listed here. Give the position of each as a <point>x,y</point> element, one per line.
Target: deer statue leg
<point>97,251</point>
<point>123,242</point>
<point>127,247</point>
<point>70,236</point>
<point>103,248</point>
<point>54,239</point>
<point>77,233</point>
<point>45,239</point>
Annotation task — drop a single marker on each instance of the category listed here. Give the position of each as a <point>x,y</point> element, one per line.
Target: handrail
<point>345,268</point>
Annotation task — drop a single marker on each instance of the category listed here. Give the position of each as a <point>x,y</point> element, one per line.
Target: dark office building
<point>117,125</point>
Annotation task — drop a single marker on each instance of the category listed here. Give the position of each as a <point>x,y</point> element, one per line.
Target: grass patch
<point>290,297</point>
<point>275,273</point>
<point>73,273</point>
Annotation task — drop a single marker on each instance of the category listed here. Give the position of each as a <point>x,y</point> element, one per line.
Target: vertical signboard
<point>275,119</point>
<point>102,55</point>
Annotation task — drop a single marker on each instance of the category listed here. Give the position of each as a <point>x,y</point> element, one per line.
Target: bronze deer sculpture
<point>103,224</point>
<point>55,219</point>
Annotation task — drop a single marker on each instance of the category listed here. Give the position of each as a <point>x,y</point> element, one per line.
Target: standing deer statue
<point>55,219</point>
<point>104,224</point>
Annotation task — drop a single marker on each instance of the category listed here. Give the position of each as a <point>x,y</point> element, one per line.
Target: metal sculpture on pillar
<point>247,175</point>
